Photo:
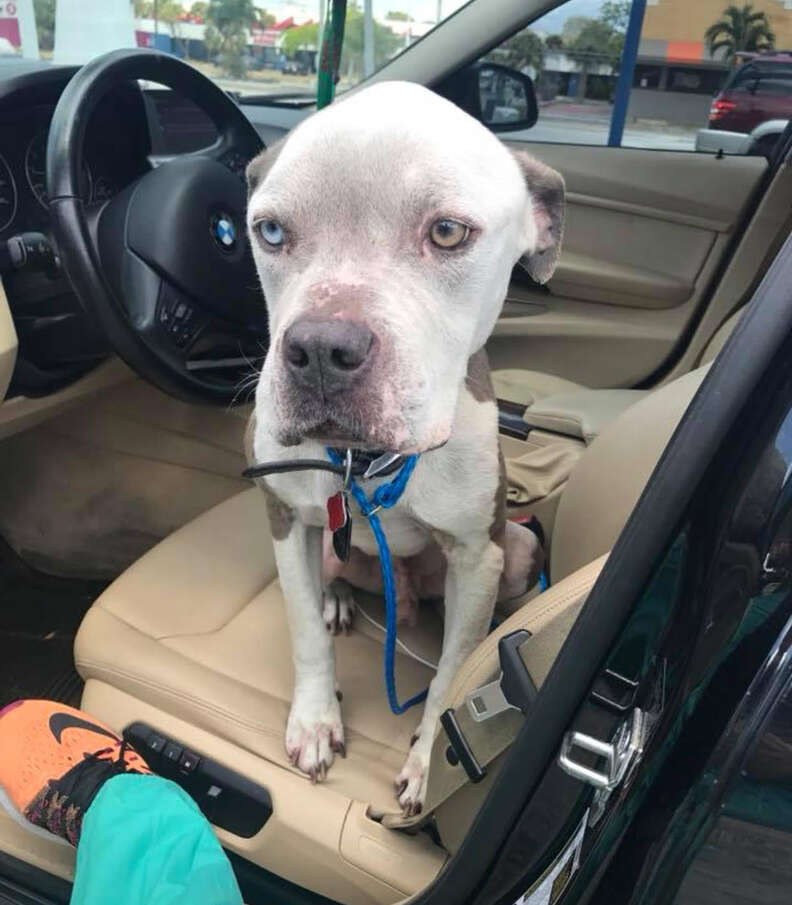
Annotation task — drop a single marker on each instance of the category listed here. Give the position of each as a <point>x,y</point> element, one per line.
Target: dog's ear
<point>546,190</point>
<point>261,164</point>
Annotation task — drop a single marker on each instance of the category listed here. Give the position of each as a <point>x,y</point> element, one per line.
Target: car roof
<point>778,56</point>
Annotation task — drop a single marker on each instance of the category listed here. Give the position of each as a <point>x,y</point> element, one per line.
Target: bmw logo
<point>223,231</point>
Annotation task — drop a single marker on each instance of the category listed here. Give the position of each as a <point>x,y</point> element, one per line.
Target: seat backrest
<point>606,483</point>
<point>718,339</point>
<point>601,492</point>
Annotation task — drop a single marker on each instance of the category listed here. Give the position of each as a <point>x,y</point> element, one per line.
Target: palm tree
<point>739,28</point>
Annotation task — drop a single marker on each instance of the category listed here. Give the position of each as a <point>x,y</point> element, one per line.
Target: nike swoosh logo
<point>60,722</point>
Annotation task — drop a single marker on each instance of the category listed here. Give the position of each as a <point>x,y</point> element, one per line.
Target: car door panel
<point>645,231</point>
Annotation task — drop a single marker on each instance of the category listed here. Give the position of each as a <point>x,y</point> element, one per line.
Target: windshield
<point>257,49</point>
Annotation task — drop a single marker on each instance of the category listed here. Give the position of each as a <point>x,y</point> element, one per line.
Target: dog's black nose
<point>327,355</point>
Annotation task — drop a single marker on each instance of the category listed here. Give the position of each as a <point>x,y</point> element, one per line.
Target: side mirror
<point>501,98</point>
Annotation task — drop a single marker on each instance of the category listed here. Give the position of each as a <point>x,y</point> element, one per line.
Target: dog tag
<point>337,511</point>
<point>339,522</point>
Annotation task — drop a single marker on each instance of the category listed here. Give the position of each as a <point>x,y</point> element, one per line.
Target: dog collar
<point>370,464</point>
<point>365,464</point>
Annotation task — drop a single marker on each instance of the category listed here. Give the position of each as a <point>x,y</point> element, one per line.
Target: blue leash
<point>385,496</point>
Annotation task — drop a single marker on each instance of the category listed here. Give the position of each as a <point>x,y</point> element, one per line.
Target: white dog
<point>385,229</point>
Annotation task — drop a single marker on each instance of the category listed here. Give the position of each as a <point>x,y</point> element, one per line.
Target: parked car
<point>295,67</point>
<point>758,91</point>
<point>761,140</point>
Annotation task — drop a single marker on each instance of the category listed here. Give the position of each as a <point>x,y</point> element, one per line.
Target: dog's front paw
<point>314,735</point>
<point>411,782</point>
<point>338,607</point>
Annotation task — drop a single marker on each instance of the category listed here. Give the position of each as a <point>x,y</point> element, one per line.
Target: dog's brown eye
<point>448,233</point>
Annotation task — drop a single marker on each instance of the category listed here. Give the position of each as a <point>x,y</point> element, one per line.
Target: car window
<point>773,85</point>
<point>253,48</point>
<point>685,56</point>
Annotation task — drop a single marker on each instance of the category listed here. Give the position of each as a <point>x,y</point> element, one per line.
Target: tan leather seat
<point>198,627</point>
<point>193,639</point>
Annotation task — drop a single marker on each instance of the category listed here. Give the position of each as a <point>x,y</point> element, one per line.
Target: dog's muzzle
<point>328,357</point>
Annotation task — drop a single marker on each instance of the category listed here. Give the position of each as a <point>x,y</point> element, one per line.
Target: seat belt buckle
<point>514,688</point>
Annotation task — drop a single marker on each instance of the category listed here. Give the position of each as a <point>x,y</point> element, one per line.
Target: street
<point>559,121</point>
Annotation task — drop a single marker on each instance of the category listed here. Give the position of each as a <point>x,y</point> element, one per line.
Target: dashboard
<point>111,162</point>
<point>131,131</point>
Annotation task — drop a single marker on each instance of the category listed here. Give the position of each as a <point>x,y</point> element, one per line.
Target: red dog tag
<point>339,522</point>
<point>337,512</point>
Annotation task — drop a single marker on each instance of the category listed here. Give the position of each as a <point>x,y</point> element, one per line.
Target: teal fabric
<point>145,841</point>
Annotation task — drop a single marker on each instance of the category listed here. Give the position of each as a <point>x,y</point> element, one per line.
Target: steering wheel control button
<point>177,317</point>
<point>224,231</point>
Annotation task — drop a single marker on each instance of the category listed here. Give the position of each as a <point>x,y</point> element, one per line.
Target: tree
<point>386,43</point>
<point>616,14</point>
<point>198,10</point>
<point>521,51</point>
<point>396,16</point>
<point>44,11</point>
<point>304,37</point>
<point>225,33</point>
<point>554,42</point>
<point>573,27</point>
<point>596,43</point>
<point>264,19</point>
<point>739,28</point>
<point>169,12</point>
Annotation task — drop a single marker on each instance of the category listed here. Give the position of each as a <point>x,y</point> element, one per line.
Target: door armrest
<point>582,414</point>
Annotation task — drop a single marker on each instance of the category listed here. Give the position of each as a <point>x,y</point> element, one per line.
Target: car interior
<point>138,568</point>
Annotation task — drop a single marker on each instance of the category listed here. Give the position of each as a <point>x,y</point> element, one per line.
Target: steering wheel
<point>164,267</point>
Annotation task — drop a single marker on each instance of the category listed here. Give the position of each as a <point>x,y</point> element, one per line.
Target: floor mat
<point>39,617</point>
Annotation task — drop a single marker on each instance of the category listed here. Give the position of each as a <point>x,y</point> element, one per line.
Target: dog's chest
<point>406,537</point>
<point>307,495</point>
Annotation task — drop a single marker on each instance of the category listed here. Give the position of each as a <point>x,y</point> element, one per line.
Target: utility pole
<point>322,15</point>
<point>368,38</point>
<point>439,11</point>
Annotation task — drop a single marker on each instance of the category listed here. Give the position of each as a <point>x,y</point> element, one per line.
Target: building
<point>675,77</point>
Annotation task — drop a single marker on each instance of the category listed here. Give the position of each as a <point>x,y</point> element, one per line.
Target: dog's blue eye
<point>271,232</point>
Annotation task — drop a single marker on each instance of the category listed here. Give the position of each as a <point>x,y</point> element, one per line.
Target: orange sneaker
<point>53,761</point>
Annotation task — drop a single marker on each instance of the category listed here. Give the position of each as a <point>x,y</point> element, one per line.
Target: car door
<point>645,234</point>
<point>609,790</point>
<point>649,222</point>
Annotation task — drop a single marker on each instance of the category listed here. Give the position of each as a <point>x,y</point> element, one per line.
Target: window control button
<point>188,762</point>
<point>156,743</point>
<point>172,752</point>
